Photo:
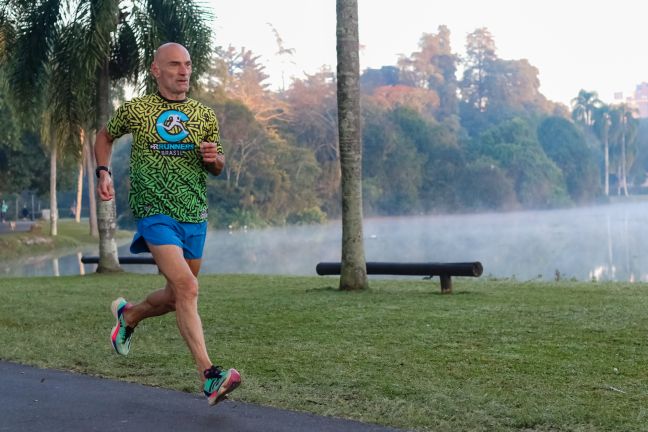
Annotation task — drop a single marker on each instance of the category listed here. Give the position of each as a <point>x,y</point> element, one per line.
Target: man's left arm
<point>211,149</point>
<point>212,157</point>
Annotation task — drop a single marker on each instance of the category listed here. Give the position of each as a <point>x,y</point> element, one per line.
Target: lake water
<point>604,242</point>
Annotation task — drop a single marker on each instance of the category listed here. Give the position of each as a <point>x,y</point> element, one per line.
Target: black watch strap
<point>102,168</point>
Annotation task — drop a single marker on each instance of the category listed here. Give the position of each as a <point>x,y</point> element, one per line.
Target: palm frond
<point>7,32</point>
<point>98,20</point>
<point>70,92</point>
<point>186,22</point>
<point>124,59</point>
<point>36,27</point>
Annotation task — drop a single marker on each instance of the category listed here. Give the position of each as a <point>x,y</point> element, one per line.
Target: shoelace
<point>213,372</point>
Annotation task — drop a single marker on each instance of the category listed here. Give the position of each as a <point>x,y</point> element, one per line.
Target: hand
<point>213,160</point>
<point>105,187</point>
<point>209,152</point>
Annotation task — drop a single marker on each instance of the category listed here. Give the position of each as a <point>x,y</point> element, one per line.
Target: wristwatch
<point>102,168</point>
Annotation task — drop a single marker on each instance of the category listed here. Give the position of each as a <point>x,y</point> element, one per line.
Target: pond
<point>605,242</point>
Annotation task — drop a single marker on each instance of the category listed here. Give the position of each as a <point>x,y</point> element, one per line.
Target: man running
<point>168,174</point>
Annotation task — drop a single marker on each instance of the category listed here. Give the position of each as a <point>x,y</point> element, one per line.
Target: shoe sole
<point>114,308</point>
<point>232,381</point>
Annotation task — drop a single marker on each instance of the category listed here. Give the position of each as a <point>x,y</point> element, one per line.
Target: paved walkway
<point>34,399</point>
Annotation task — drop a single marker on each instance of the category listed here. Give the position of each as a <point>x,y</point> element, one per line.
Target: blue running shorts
<point>164,230</point>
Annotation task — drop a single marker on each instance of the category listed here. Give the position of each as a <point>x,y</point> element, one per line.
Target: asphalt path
<point>33,399</point>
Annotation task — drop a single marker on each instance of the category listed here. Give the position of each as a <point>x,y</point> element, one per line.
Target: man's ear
<point>155,70</point>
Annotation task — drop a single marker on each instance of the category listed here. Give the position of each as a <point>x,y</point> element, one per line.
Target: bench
<point>122,260</point>
<point>444,270</point>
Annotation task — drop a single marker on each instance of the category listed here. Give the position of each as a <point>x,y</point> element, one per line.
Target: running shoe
<point>120,337</point>
<point>219,383</point>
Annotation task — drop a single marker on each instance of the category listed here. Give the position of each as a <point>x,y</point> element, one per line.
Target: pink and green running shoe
<point>120,337</point>
<point>219,383</point>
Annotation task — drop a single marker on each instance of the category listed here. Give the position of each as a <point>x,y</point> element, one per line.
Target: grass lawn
<point>493,356</point>
<point>39,241</point>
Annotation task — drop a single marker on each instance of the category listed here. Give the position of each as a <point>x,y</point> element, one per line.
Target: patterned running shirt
<point>166,170</point>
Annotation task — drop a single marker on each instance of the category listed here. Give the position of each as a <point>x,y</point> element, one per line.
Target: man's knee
<point>185,288</point>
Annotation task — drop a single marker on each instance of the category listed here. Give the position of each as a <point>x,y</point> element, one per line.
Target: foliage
<point>538,182</point>
<point>432,142</point>
<point>24,165</point>
<point>485,186</point>
<point>308,216</point>
<point>565,145</point>
<point>584,105</point>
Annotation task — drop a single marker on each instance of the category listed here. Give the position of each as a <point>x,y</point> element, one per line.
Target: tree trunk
<point>88,149</point>
<point>79,195</point>
<point>624,174</point>
<point>606,150</point>
<point>53,201</point>
<point>353,274</point>
<point>106,210</point>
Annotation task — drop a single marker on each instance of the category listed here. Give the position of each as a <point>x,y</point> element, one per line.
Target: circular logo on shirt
<point>170,126</point>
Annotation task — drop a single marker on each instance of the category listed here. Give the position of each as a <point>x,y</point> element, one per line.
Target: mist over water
<point>602,242</point>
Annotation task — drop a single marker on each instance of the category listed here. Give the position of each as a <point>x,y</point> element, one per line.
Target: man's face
<point>172,70</point>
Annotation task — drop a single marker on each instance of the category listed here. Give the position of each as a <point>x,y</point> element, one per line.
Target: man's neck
<point>173,97</point>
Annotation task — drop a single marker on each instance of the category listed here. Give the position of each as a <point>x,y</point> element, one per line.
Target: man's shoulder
<point>146,99</point>
<point>201,107</point>
<point>197,103</point>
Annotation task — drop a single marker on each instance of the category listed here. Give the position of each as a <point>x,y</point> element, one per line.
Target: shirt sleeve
<point>213,133</point>
<point>119,123</point>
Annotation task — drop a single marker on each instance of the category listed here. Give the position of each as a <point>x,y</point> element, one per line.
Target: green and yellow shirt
<point>166,170</point>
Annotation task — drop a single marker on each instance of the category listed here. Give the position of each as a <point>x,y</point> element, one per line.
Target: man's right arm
<point>103,152</point>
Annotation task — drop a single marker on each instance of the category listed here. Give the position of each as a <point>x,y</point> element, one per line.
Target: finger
<point>106,190</point>
<point>207,147</point>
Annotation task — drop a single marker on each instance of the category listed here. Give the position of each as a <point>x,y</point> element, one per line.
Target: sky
<point>575,44</point>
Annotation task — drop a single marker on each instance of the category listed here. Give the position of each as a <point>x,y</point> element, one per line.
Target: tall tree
<point>623,131</point>
<point>50,87</point>
<point>245,80</point>
<point>480,57</point>
<point>353,274</point>
<point>313,124</point>
<point>564,143</point>
<point>583,107</point>
<point>434,68</point>
<point>602,123</point>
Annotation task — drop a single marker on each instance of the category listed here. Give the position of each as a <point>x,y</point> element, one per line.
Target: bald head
<point>167,48</point>
<point>171,69</point>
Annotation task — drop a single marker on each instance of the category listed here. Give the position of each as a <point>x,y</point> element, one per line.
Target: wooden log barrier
<point>122,260</point>
<point>445,271</point>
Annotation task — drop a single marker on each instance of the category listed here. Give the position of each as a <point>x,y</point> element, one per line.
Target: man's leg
<point>182,291</point>
<point>157,303</point>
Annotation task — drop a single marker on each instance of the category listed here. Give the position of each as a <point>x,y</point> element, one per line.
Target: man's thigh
<point>170,261</point>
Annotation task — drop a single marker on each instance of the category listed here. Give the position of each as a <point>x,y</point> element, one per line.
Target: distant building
<point>641,99</point>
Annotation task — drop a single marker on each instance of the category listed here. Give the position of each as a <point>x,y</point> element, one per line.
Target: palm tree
<point>602,122</point>
<point>584,105</point>
<point>102,58</point>
<point>39,80</point>
<point>353,275</point>
<point>623,131</point>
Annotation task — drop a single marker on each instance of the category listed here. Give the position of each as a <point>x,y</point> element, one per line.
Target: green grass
<point>495,355</point>
<point>39,241</point>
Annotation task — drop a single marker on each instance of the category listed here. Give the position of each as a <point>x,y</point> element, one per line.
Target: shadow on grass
<point>415,291</point>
